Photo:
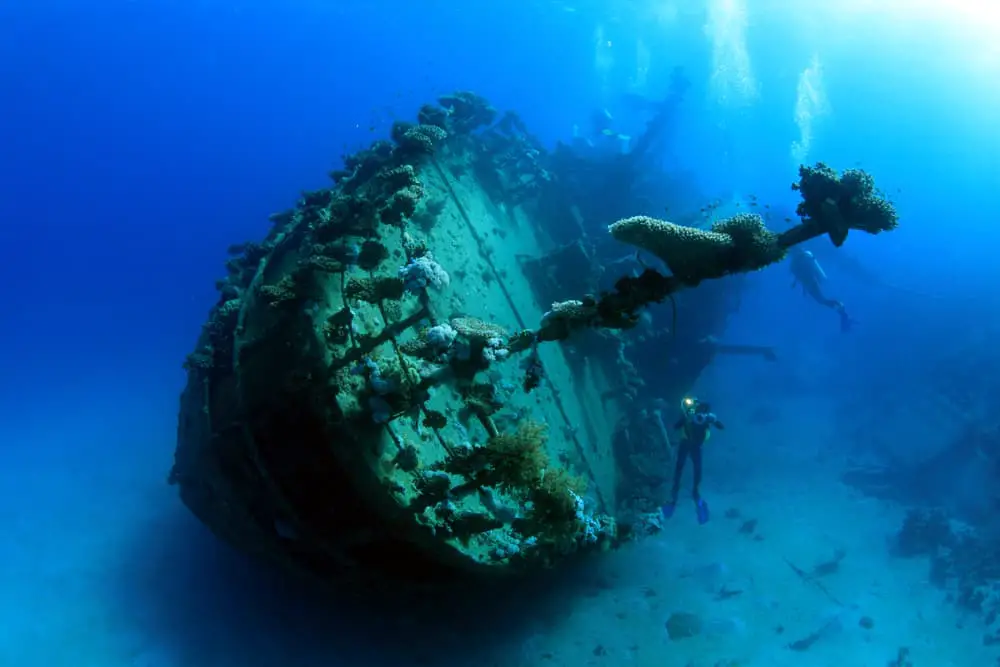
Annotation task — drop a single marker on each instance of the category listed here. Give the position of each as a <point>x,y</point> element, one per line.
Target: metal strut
<point>570,429</point>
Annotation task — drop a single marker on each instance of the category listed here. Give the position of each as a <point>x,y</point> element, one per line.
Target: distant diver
<point>601,139</point>
<point>807,272</point>
<point>696,421</point>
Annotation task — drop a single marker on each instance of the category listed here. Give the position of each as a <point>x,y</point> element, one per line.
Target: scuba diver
<point>696,421</point>
<point>807,272</point>
<point>601,140</point>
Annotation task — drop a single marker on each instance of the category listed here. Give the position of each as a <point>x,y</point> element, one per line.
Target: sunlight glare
<point>965,29</point>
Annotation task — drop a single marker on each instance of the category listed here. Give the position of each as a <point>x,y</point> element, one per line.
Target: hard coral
<point>413,141</point>
<point>346,215</point>
<point>400,205</point>
<point>477,345</point>
<point>557,323</point>
<point>691,254</point>
<point>284,292</point>
<point>754,242</point>
<point>322,263</point>
<point>360,167</point>
<point>736,245</point>
<point>467,111</point>
<point>371,254</point>
<point>477,330</point>
<point>842,202</point>
<point>432,115</point>
<point>374,290</point>
<point>398,190</point>
<point>397,178</point>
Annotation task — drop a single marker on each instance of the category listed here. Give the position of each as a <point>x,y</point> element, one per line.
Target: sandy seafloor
<point>100,566</point>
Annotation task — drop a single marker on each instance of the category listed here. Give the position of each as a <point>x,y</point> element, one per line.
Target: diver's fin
<point>668,510</point>
<point>701,509</point>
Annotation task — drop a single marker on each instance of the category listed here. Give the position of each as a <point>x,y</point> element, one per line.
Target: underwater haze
<point>854,487</point>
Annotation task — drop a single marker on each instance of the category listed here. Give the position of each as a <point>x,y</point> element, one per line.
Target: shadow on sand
<point>193,601</point>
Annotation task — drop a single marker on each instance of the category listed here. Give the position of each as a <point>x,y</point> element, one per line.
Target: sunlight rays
<point>732,81</point>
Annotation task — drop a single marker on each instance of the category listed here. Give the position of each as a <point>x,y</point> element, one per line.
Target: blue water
<point>138,139</point>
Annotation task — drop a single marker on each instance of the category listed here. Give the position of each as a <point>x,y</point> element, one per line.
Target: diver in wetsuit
<point>696,421</point>
<point>807,272</point>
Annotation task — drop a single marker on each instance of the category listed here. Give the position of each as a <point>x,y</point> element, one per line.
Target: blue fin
<point>668,510</point>
<point>701,508</point>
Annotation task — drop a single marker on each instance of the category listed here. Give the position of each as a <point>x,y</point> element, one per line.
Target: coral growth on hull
<point>367,397</point>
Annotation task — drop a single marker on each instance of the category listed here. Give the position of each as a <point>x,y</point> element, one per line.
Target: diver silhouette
<point>695,423</point>
<point>807,272</point>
